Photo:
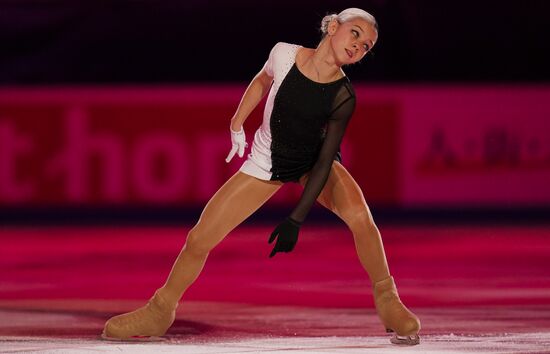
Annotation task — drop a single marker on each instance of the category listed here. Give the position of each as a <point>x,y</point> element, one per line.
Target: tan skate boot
<point>394,315</point>
<point>147,322</point>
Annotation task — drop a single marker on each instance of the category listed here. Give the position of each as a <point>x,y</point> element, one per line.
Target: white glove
<point>238,142</point>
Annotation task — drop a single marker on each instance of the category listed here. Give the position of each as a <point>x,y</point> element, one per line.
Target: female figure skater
<point>309,105</point>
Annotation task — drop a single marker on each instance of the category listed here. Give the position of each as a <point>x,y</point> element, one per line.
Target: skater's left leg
<point>342,195</point>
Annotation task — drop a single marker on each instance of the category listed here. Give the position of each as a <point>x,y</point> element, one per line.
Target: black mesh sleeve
<point>342,110</point>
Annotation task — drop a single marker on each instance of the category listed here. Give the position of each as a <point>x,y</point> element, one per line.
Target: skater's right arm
<point>254,93</point>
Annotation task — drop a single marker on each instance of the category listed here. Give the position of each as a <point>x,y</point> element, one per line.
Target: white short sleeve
<point>268,66</point>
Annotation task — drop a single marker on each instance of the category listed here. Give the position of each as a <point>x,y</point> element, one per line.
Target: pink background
<point>99,146</point>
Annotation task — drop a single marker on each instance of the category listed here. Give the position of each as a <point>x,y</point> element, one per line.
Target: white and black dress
<point>303,125</point>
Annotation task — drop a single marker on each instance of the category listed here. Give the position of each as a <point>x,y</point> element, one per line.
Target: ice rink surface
<point>476,290</point>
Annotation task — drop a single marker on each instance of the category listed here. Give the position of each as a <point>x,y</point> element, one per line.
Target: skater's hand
<point>238,144</point>
<point>288,236</point>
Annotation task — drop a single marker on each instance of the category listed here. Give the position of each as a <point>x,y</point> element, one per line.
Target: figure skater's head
<point>352,33</point>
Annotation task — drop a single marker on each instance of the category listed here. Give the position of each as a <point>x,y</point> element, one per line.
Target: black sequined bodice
<point>300,113</point>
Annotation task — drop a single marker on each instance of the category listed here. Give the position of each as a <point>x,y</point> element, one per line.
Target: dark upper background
<point>175,42</point>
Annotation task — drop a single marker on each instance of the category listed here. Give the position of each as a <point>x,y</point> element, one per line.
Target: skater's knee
<point>197,243</point>
<point>359,218</point>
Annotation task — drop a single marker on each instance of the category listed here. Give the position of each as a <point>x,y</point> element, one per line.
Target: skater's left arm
<point>319,173</point>
<point>287,231</point>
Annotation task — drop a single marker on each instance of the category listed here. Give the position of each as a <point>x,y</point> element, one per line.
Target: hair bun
<point>326,20</point>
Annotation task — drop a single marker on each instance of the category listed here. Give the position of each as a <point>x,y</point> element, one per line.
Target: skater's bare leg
<point>343,196</point>
<point>237,199</point>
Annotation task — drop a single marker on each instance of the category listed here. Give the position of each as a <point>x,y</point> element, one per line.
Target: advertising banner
<point>405,146</point>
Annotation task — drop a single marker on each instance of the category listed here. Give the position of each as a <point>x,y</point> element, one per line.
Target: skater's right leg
<point>236,200</point>
<point>241,196</point>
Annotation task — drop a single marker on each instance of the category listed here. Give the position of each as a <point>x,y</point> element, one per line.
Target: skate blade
<point>405,340</point>
<point>134,338</point>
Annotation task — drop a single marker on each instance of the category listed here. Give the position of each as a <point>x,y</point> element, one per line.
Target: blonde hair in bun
<point>345,16</point>
<point>325,21</point>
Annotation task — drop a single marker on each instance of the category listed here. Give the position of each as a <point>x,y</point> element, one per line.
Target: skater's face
<point>351,40</point>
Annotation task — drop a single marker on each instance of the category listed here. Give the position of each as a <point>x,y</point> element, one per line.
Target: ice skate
<point>146,323</point>
<point>395,316</point>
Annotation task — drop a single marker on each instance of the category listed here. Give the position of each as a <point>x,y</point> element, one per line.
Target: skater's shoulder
<point>285,46</point>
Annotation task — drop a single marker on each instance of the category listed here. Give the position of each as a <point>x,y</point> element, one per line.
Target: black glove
<point>288,236</point>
